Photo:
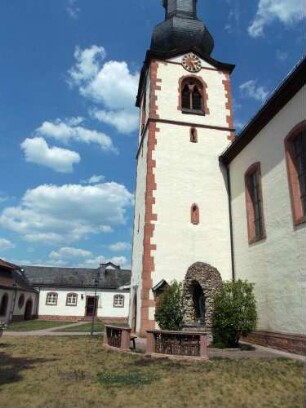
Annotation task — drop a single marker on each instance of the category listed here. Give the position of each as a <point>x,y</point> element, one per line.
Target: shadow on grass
<point>4,345</point>
<point>11,367</point>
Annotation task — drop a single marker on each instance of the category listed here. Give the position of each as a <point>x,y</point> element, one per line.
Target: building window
<point>4,304</point>
<point>195,214</point>
<point>192,95</point>
<point>72,299</point>
<point>193,135</point>
<point>295,145</point>
<point>255,220</point>
<point>51,299</point>
<point>21,301</point>
<point>118,301</point>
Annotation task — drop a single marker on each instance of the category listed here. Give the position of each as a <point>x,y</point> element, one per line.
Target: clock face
<point>191,63</point>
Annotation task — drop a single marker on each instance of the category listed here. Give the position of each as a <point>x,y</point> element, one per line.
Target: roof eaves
<point>282,95</point>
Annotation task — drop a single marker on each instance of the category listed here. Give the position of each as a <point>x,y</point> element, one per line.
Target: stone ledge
<point>294,343</point>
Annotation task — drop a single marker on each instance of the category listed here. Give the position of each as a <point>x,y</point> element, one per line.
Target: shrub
<point>234,312</point>
<point>169,314</point>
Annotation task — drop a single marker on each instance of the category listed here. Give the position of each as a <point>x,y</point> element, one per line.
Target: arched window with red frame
<point>195,214</point>
<point>254,203</point>
<point>193,135</point>
<point>295,146</point>
<point>192,96</point>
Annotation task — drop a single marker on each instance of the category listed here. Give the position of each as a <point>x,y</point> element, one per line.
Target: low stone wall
<point>117,337</point>
<point>294,343</point>
<point>177,343</point>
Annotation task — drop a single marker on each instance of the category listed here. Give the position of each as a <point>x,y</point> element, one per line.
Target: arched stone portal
<point>201,283</point>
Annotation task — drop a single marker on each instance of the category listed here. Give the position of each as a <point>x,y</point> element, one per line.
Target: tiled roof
<point>12,277</point>
<point>77,277</point>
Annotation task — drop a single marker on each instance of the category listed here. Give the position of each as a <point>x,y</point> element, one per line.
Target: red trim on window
<point>298,214</point>
<point>252,234</point>
<point>193,135</point>
<point>202,86</point>
<point>195,214</point>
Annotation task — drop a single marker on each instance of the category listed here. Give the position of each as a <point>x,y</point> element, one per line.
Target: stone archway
<point>201,283</point>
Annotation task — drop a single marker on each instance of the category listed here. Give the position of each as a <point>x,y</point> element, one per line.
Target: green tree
<point>234,312</point>
<point>169,314</point>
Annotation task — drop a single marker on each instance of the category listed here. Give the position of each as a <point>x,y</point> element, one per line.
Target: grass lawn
<point>35,325</point>
<point>65,372</point>
<point>86,327</point>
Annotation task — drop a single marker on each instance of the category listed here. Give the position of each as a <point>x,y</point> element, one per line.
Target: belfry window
<point>192,96</point>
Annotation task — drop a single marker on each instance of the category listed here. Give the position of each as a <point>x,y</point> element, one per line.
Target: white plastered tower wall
<point>277,264</point>
<point>173,174</point>
<point>139,216</point>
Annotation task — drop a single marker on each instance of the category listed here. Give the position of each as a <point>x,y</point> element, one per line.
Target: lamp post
<point>97,278</point>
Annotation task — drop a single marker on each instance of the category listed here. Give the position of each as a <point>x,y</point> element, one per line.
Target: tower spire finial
<point>180,8</point>
<point>181,30</point>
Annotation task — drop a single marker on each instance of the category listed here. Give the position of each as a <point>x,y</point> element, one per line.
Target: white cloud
<point>110,84</point>
<point>120,246</point>
<point>233,19</point>
<point>250,89</point>
<point>66,131</point>
<point>95,179</point>
<point>87,64</point>
<point>3,197</point>
<point>95,262</point>
<point>64,214</point>
<point>72,9</point>
<point>6,244</point>
<point>287,12</point>
<point>36,150</point>
<point>69,253</point>
<point>281,55</point>
<point>124,121</point>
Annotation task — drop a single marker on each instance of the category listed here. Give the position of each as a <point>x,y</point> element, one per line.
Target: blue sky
<point>68,126</point>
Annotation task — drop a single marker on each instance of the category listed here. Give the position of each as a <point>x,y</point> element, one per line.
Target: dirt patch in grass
<point>76,372</point>
<point>36,325</point>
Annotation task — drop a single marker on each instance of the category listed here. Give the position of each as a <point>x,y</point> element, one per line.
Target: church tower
<point>181,208</point>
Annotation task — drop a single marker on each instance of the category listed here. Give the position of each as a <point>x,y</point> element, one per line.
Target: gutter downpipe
<point>229,195</point>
